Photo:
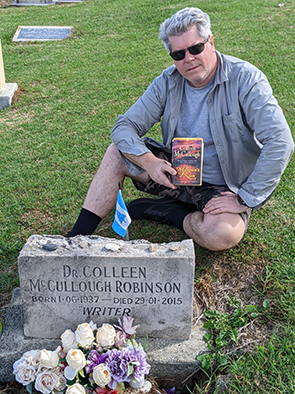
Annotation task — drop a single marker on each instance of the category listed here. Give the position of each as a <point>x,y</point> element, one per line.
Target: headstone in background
<point>65,282</point>
<point>24,3</point>
<point>41,33</point>
<point>32,2</point>
<point>7,90</point>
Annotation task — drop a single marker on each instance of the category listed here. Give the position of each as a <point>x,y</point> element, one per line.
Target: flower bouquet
<point>89,360</point>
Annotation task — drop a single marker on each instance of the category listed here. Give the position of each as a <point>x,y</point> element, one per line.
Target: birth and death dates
<point>93,299</point>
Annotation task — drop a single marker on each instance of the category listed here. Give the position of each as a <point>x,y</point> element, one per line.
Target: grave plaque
<point>32,2</point>
<point>42,33</point>
<point>65,282</point>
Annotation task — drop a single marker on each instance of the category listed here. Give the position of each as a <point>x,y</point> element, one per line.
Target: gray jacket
<point>251,136</point>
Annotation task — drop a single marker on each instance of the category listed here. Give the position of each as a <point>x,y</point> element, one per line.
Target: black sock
<point>85,224</point>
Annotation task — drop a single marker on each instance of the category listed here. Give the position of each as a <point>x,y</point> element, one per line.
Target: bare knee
<point>214,233</point>
<point>112,161</point>
<point>112,153</point>
<point>219,242</point>
<point>227,238</point>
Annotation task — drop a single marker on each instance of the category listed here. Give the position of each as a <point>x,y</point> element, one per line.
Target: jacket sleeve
<point>265,118</point>
<point>139,119</point>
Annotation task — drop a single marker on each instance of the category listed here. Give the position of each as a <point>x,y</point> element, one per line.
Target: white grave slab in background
<point>42,33</point>
<point>25,3</point>
<point>20,3</point>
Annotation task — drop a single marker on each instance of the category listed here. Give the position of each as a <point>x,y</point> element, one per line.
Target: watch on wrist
<point>241,201</point>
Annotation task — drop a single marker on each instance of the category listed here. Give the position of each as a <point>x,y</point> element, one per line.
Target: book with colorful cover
<point>187,159</point>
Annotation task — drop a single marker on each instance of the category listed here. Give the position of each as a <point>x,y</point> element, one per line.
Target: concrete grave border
<point>6,95</point>
<point>171,361</point>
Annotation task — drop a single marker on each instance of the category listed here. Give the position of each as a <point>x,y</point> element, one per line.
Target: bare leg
<point>103,191</point>
<point>214,232</point>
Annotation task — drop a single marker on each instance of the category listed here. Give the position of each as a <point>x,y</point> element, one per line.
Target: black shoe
<point>161,210</point>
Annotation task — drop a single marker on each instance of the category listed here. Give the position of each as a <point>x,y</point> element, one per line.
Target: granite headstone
<point>65,282</point>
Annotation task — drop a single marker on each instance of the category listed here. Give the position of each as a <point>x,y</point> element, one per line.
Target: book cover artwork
<point>187,159</point>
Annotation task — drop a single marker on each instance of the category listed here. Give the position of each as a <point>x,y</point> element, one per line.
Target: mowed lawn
<point>54,135</point>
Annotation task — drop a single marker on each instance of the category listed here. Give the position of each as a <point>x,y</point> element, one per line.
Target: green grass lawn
<point>70,94</point>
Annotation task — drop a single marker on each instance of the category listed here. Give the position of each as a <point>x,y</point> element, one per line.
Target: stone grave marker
<point>32,2</point>
<point>65,282</point>
<point>41,33</point>
<point>24,3</point>
<point>7,90</point>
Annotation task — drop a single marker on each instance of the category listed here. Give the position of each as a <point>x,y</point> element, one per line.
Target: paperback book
<point>187,159</point>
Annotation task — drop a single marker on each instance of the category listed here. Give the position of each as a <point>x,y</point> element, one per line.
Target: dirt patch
<point>36,220</point>
<point>228,278</point>
<point>5,3</point>
<point>19,91</point>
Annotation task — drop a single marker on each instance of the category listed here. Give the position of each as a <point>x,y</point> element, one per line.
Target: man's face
<point>197,69</point>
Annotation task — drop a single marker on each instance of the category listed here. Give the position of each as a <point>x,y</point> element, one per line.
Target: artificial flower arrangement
<point>90,360</point>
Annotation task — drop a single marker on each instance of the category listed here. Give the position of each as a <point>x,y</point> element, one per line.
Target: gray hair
<point>181,22</point>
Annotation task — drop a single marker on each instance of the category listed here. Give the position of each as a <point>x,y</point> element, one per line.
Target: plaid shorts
<point>196,197</point>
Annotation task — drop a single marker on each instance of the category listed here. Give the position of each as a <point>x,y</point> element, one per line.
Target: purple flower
<point>137,357</point>
<point>118,366</point>
<point>170,391</point>
<point>93,359</point>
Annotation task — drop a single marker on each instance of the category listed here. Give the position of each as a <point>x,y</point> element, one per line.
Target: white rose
<point>19,364</point>
<point>24,372</point>
<point>61,383</point>
<point>101,375</point>
<point>76,389</point>
<point>76,359</point>
<point>84,335</point>
<point>105,336</point>
<point>45,382</point>
<point>68,339</point>
<point>32,357</point>
<point>42,369</point>
<point>49,359</point>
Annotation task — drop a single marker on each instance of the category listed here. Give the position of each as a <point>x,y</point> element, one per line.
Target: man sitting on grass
<point>224,100</point>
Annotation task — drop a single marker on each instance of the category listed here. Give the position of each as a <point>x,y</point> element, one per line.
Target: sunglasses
<point>193,50</point>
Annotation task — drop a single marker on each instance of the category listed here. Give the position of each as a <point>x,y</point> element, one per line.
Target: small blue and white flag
<point>122,218</point>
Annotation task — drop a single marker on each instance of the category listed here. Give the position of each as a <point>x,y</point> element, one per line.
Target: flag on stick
<point>122,218</point>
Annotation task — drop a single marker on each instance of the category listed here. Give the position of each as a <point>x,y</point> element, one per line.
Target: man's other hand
<point>226,202</point>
